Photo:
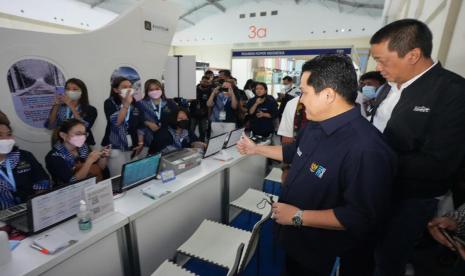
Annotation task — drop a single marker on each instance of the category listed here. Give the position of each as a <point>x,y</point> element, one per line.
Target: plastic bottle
<point>84,217</point>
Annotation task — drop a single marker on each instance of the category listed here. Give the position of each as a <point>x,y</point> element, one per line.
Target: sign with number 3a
<point>255,32</point>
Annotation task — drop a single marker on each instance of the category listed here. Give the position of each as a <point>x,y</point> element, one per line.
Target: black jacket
<point>427,131</point>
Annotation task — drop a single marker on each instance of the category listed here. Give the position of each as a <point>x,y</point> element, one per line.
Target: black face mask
<point>184,124</point>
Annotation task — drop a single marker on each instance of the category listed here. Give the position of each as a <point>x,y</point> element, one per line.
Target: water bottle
<point>84,217</point>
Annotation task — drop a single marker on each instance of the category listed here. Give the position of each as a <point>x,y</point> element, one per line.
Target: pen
<point>146,194</point>
<point>40,249</point>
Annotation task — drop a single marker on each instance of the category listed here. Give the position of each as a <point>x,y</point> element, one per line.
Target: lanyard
<point>157,110</point>
<point>8,178</point>
<point>127,114</point>
<point>68,112</point>
<point>225,100</point>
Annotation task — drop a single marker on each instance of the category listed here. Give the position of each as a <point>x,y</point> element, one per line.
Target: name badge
<point>222,116</point>
<point>167,176</point>
<point>129,139</point>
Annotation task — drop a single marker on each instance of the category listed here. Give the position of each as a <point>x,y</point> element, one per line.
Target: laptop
<point>135,173</point>
<point>50,208</point>
<point>13,211</point>
<point>215,145</point>
<point>234,137</point>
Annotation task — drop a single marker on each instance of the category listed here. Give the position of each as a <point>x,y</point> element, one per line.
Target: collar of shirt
<point>394,86</point>
<point>12,158</point>
<point>330,125</point>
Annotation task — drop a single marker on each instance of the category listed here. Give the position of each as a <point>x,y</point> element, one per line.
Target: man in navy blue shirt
<point>338,191</point>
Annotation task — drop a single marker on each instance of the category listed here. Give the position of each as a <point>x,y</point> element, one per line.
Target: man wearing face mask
<point>288,93</point>
<point>224,104</point>
<point>70,159</point>
<point>21,175</point>
<point>73,104</point>
<point>370,84</point>
<point>176,136</point>
<point>262,110</point>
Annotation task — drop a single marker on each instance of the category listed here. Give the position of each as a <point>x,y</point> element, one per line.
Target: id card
<point>129,139</point>
<point>167,176</point>
<point>222,116</point>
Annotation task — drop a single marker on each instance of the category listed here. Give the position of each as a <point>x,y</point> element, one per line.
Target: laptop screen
<point>215,144</point>
<point>234,137</point>
<point>139,171</point>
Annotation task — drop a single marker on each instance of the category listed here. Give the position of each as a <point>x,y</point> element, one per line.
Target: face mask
<point>287,86</point>
<point>126,92</point>
<point>184,124</point>
<point>74,95</point>
<point>78,140</point>
<point>369,91</point>
<point>6,145</point>
<point>155,94</point>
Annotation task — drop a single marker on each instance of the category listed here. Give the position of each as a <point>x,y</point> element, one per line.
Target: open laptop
<point>234,137</point>
<point>13,211</point>
<point>215,145</point>
<point>50,208</point>
<point>135,173</point>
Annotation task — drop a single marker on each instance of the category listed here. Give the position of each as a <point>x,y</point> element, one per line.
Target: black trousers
<point>358,262</point>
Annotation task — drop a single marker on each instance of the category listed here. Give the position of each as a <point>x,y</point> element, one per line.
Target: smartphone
<point>106,148</point>
<point>223,89</point>
<point>60,90</point>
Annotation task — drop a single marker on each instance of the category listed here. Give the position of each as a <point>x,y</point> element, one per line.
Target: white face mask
<point>6,145</point>
<point>74,95</point>
<point>286,86</point>
<point>126,92</point>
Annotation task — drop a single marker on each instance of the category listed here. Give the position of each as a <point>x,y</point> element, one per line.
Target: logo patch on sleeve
<point>317,169</point>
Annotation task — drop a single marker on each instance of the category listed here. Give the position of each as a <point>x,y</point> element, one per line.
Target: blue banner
<point>295,52</point>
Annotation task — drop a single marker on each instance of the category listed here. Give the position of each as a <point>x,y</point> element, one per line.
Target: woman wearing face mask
<point>262,110</point>
<point>176,136</point>
<point>73,104</point>
<point>124,131</point>
<point>21,175</point>
<point>70,159</point>
<point>156,109</point>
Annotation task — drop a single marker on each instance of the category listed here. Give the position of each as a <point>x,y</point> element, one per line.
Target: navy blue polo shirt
<point>342,164</point>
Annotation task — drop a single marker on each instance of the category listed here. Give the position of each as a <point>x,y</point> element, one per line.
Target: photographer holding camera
<point>223,102</point>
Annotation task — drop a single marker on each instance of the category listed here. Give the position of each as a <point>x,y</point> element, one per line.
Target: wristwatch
<point>297,218</point>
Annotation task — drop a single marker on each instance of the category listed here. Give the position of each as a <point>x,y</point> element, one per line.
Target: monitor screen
<point>234,137</point>
<point>139,171</point>
<point>215,144</point>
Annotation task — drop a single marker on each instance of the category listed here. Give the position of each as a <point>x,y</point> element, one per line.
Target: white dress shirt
<point>286,127</point>
<point>383,114</point>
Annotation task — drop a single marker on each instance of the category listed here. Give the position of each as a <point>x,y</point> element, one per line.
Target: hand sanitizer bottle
<point>84,217</point>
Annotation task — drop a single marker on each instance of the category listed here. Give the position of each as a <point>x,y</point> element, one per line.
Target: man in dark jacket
<point>422,116</point>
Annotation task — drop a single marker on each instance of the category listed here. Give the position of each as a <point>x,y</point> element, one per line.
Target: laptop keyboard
<point>12,211</point>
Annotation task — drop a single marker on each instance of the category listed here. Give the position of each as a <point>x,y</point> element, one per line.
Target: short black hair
<point>205,78</point>
<point>333,71</point>
<point>373,75</point>
<point>225,72</point>
<point>287,78</point>
<point>208,72</point>
<point>405,35</point>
